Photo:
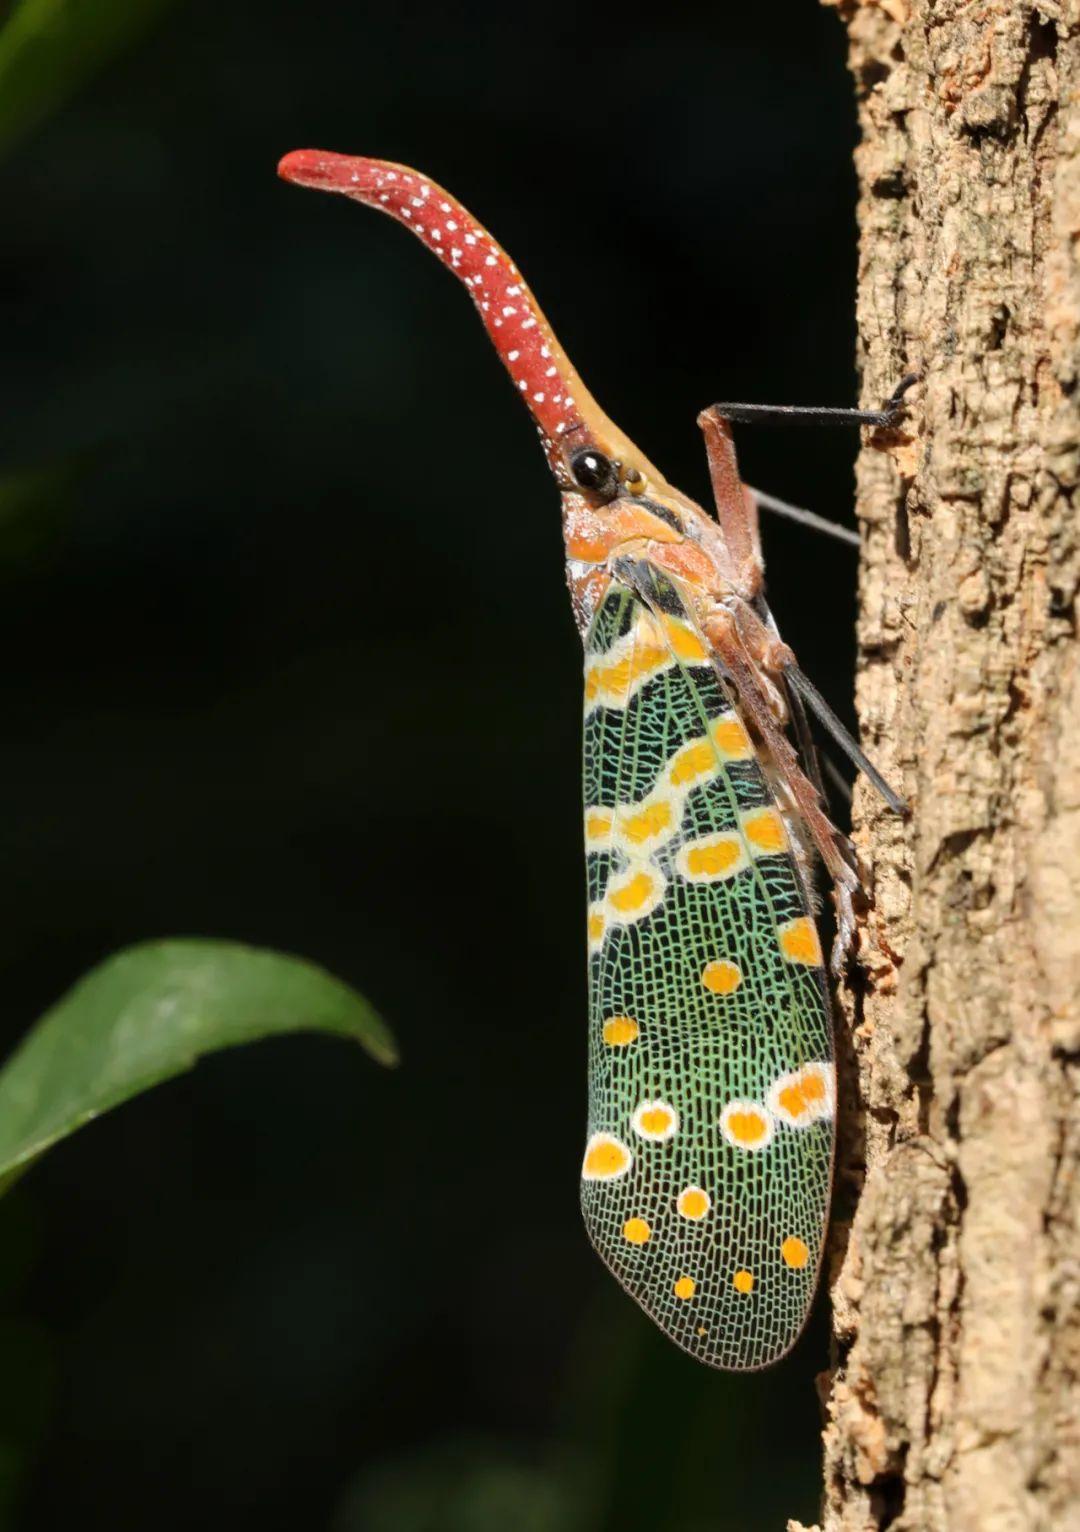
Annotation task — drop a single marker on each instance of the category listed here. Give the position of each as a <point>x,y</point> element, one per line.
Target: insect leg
<point>736,508</point>
<point>804,517</point>
<point>816,702</point>
<point>887,416</point>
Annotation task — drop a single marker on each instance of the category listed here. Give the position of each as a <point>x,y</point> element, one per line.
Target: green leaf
<point>49,47</point>
<point>149,1013</point>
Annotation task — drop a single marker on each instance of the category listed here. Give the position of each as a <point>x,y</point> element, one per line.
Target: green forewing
<point>710,1041</point>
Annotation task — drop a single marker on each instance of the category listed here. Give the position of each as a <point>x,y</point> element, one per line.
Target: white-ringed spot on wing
<point>598,824</point>
<point>620,1031</point>
<point>596,926</point>
<point>699,759</point>
<point>634,893</point>
<point>764,831</point>
<point>804,1096</point>
<point>799,941</point>
<point>730,737</point>
<point>655,1120</point>
<point>711,858</point>
<point>641,827</point>
<point>612,678</point>
<point>606,1158</point>
<point>747,1125</point>
<point>693,1202</point>
<point>692,763</point>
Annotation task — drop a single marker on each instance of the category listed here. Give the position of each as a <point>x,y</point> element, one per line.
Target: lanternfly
<point>708,1157</point>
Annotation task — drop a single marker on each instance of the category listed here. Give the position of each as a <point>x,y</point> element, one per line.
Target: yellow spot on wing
<point>641,826</point>
<point>620,1031</point>
<point>712,857</point>
<point>721,977</point>
<point>793,1101</point>
<point>605,1158</point>
<point>690,764</point>
<point>764,829</point>
<point>693,1202</point>
<point>684,641</point>
<point>731,739</point>
<point>635,893</point>
<point>595,925</point>
<point>804,1096</point>
<point>656,1120</point>
<point>612,678</point>
<point>813,1088</point>
<point>685,1288</point>
<point>636,1231</point>
<point>743,1281</point>
<point>597,825</point>
<point>747,1125</point>
<point>799,941</point>
<point>794,1252</point>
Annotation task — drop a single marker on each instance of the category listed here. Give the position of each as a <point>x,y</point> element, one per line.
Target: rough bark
<point>954,1401</point>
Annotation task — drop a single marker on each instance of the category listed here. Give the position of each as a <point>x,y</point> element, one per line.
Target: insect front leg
<point>736,508</point>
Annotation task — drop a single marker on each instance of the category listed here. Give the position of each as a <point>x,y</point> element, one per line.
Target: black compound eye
<point>592,470</point>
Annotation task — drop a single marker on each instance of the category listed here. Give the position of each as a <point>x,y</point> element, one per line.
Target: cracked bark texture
<point>954,1402</point>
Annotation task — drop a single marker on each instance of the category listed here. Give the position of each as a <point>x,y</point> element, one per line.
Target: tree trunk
<point>954,1400</point>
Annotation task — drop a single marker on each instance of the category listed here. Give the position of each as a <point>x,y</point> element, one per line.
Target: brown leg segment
<point>736,510</point>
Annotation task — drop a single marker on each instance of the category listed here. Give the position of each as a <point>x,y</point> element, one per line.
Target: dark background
<point>290,660</point>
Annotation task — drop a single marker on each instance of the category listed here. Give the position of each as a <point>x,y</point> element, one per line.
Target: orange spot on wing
<point>649,821</point>
<point>693,1202</point>
<point>799,941</point>
<point>605,1158</point>
<point>620,1031</point>
<point>721,977</point>
<point>746,1125</point>
<point>655,1119</point>
<point>597,824</point>
<point>641,653</point>
<point>693,761</point>
<point>634,894</point>
<point>713,858</point>
<point>793,1099</point>
<point>764,829</point>
<point>794,1252</point>
<point>804,1096</point>
<point>743,1281</point>
<point>685,1288</point>
<point>814,1088</point>
<point>636,1231</point>
<point>684,642</point>
<point>731,738</point>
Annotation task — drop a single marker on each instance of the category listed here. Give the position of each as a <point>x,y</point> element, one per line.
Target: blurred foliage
<point>151,1012</point>
<point>49,47</point>
<point>35,504</point>
<point>466,1484</point>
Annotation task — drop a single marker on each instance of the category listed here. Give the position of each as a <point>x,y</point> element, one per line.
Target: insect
<point>707,1166</point>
